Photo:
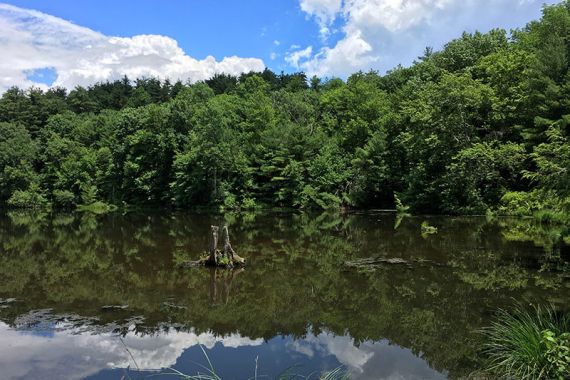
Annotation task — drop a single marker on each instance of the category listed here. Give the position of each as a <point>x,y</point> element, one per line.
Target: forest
<point>480,126</point>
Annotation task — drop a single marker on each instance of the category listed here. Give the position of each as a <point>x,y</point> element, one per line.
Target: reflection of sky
<point>71,355</point>
<point>75,354</point>
<point>368,360</point>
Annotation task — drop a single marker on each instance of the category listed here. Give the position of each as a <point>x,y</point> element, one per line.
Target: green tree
<point>17,155</point>
<point>478,177</point>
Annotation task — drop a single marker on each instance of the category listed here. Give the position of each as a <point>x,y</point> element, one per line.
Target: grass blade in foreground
<point>529,344</point>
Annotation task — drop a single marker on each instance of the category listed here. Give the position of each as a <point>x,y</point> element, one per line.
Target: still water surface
<point>102,297</point>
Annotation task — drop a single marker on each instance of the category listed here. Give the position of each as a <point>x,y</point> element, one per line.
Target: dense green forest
<point>481,126</point>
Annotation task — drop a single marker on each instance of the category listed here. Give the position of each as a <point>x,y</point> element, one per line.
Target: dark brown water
<point>101,297</point>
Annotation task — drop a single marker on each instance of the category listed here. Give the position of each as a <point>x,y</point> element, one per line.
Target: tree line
<point>480,126</point>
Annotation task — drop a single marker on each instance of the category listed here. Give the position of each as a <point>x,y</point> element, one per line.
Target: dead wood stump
<point>224,258</point>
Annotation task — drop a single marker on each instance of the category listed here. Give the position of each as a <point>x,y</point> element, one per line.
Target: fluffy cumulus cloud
<point>294,58</point>
<point>380,34</point>
<point>31,40</point>
<point>71,353</point>
<point>325,12</point>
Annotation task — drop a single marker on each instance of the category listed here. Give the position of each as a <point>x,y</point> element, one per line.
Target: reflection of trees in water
<point>221,284</point>
<point>295,277</point>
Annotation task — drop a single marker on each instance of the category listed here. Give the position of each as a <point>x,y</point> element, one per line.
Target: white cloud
<point>296,56</point>
<point>393,15</point>
<point>379,34</point>
<point>349,55</point>
<point>32,40</point>
<point>325,12</point>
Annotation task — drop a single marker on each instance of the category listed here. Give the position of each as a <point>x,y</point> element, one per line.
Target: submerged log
<point>373,263</point>
<point>376,262</point>
<point>225,258</point>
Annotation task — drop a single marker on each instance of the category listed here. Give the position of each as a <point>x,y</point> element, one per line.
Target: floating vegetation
<point>400,207</point>
<point>427,229</point>
<point>401,211</point>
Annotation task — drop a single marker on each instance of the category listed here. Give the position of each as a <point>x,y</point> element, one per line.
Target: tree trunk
<point>228,250</point>
<point>213,248</point>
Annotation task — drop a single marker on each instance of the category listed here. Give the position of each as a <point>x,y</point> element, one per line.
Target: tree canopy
<point>483,124</point>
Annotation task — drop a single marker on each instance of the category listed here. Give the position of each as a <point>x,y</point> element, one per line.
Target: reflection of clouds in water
<point>369,360</point>
<point>342,347</point>
<point>69,355</point>
<point>74,353</point>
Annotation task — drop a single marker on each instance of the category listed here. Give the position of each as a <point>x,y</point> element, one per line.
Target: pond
<point>104,297</point>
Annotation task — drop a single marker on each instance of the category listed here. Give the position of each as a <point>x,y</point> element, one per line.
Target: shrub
<point>31,198</point>
<point>542,204</point>
<point>529,344</point>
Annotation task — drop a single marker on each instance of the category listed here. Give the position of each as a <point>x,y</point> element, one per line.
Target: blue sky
<point>220,28</point>
<point>72,43</point>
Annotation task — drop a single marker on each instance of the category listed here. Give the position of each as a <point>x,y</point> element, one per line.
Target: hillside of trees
<point>482,125</point>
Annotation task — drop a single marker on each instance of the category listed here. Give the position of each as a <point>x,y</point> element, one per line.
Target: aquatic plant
<point>529,344</point>
<point>427,229</point>
<point>400,207</point>
<point>401,211</point>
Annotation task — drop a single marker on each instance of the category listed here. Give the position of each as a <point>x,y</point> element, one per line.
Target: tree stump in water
<point>228,250</point>
<point>213,247</point>
<point>225,258</point>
